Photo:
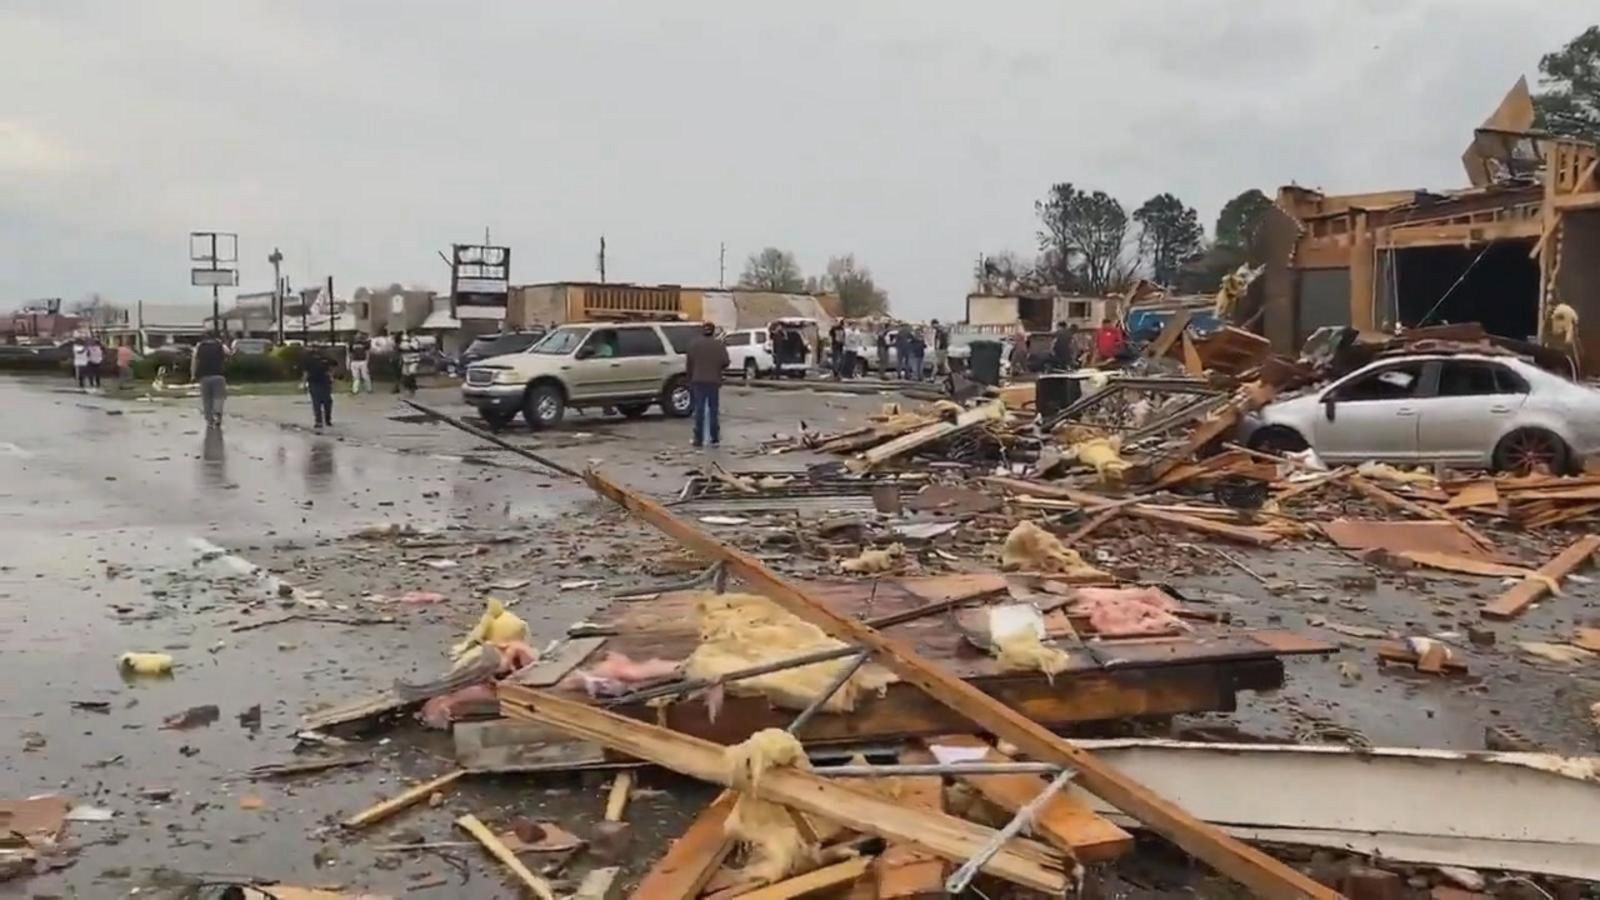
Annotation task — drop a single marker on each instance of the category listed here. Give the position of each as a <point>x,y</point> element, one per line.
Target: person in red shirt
<point>1108,340</point>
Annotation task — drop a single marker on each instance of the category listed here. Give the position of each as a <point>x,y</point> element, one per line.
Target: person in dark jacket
<point>883,352</point>
<point>707,358</point>
<point>1063,355</point>
<point>941,349</point>
<point>836,349</point>
<point>318,383</point>
<point>902,351</point>
<point>206,371</point>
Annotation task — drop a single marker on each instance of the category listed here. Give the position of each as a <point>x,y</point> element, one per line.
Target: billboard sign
<point>480,278</point>
<point>214,277</point>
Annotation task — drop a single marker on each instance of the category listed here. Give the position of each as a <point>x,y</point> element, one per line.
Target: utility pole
<point>305,327</point>
<point>722,264</point>
<point>333,313</point>
<point>276,258</point>
<point>602,259</point>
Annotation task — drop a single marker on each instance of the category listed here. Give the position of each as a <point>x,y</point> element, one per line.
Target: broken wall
<point>1273,293</point>
<point>1322,298</point>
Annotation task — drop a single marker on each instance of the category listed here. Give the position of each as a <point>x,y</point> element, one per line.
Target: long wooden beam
<point>1266,876</point>
<point>1094,503</point>
<point>1025,862</point>
<point>683,872</point>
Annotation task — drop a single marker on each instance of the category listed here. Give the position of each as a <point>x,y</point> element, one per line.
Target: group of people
<point>910,346</point>
<point>89,362</point>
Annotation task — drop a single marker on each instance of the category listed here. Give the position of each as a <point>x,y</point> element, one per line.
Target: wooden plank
<point>1095,503</point>
<point>1510,604</point>
<point>1372,491</point>
<point>1478,493</point>
<point>617,799</point>
<point>813,881</point>
<point>1064,821</point>
<point>905,870</point>
<point>1171,332</point>
<point>686,868</point>
<point>1572,202</point>
<point>549,671</point>
<point>1220,422</point>
<point>1266,876</point>
<point>1023,862</point>
<point>1363,258</point>
<point>393,805</point>
<point>1192,363</point>
<point>541,888</point>
<point>905,444</point>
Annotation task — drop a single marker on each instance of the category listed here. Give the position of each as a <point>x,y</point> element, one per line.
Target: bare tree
<point>859,294</point>
<point>773,270</point>
<point>1082,239</point>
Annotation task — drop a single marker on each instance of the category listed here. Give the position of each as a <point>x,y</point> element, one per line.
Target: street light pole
<point>276,258</point>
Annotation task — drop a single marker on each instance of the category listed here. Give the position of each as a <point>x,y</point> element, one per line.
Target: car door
<point>1371,415</point>
<point>596,370</point>
<point>644,358</point>
<point>739,348</point>
<point>1471,407</point>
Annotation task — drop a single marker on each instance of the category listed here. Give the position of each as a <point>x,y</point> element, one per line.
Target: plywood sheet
<point>1394,537</point>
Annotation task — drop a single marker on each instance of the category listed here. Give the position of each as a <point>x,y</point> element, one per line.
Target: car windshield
<point>500,344</point>
<point>560,342</point>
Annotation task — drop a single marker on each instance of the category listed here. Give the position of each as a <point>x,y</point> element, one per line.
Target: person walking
<point>883,352</point>
<point>80,362</point>
<point>206,371</point>
<point>97,358</point>
<point>360,372</point>
<point>941,349</point>
<point>318,383</point>
<point>706,359</point>
<point>410,359</point>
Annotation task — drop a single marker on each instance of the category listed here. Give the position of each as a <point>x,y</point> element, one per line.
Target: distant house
<point>559,302</point>
<point>252,315</point>
<point>30,325</point>
<point>1040,311</point>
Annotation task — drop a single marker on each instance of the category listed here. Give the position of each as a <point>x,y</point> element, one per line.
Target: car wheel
<point>1527,449</point>
<point>675,400</point>
<point>633,410</point>
<point>751,370</point>
<point>1278,439</point>
<point>496,418</point>
<point>543,406</point>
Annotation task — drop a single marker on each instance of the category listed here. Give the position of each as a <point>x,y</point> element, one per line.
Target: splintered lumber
<point>393,805</point>
<point>1266,876</point>
<point>541,888</point>
<point>1477,493</point>
<point>617,800</point>
<point>1095,503</point>
<point>1530,589</point>
<point>1062,820</point>
<point>1170,332</point>
<point>813,881</point>
<point>690,862</point>
<point>1251,398</point>
<point>905,870</point>
<point>904,444</point>
<point>1367,489</point>
<point>1023,862</point>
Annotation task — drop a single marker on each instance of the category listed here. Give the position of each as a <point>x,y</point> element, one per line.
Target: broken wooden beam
<point>900,446</point>
<point>497,848</point>
<point>905,870</point>
<point>393,805</point>
<point>1023,862</point>
<point>813,881</point>
<point>1366,488</point>
<point>1266,876</point>
<point>1531,588</point>
<point>690,861</point>
<point>617,799</point>
<point>1095,503</point>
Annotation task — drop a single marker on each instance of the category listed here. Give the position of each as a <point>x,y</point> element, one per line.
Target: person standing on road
<point>883,352</point>
<point>80,362</point>
<point>360,373</point>
<point>1063,356</point>
<point>97,358</point>
<point>410,359</point>
<point>206,371</point>
<point>124,364</point>
<point>941,349</point>
<point>902,352</point>
<point>919,352</point>
<point>836,348</point>
<point>318,383</point>
<point>707,358</point>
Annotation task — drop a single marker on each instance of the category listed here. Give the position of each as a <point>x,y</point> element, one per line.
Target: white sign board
<point>213,277</point>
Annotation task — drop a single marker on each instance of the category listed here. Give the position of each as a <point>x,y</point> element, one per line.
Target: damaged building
<point>1523,238</point>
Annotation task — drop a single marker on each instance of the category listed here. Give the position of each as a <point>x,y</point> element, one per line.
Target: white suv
<point>627,365</point>
<point>750,352</point>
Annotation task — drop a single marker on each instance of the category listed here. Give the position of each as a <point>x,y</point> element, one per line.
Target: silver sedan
<point>1464,410</point>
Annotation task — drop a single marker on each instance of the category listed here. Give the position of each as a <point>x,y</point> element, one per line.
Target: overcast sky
<point>362,136</point>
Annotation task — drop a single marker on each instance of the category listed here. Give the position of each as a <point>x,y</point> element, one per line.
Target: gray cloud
<point>361,136</point>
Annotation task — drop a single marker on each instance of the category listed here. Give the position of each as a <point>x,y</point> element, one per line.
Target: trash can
<point>983,365</point>
<point>1055,393</point>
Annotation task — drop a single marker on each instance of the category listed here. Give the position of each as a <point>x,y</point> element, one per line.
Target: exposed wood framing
<point>1264,875</point>
<point>1363,287</point>
<point>1585,200</point>
<point>1024,862</point>
<point>1460,235</point>
<point>1524,593</point>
